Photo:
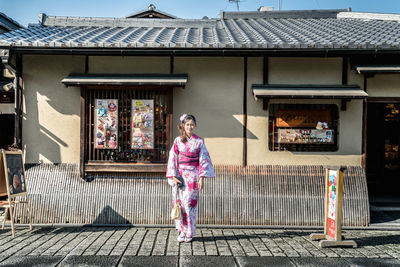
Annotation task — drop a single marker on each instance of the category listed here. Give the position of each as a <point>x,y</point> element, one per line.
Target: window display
<point>142,124</point>
<point>303,127</point>
<point>106,119</point>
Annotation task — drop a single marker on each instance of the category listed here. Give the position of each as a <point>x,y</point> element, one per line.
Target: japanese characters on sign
<point>106,123</point>
<point>305,136</point>
<point>142,124</point>
<point>332,202</point>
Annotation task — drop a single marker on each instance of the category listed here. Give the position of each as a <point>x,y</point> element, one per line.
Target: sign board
<point>12,185</point>
<point>333,211</point>
<point>142,123</point>
<point>305,136</point>
<point>334,202</point>
<point>302,117</point>
<point>14,173</point>
<point>106,124</point>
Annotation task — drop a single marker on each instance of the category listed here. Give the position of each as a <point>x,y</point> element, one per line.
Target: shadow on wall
<point>109,216</point>
<point>229,126</point>
<point>43,143</point>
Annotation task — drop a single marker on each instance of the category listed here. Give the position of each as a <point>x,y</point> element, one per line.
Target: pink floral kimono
<point>190,161</point>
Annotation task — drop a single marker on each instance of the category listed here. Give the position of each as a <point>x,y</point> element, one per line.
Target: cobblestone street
<point>110,246</point>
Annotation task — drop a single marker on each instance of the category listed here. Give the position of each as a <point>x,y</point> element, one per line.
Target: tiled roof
<point>336,29</point>
<point>8,24</point>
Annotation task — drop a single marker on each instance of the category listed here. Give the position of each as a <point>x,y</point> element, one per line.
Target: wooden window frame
<point>87,165</point>
<point>273,145</point>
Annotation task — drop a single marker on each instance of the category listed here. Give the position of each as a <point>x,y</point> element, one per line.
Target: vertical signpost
<point>13,185</point>
<point>332,236</point>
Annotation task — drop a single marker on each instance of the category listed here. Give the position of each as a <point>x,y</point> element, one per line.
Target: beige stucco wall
<point>214,95</point>
<point>51,111</point>
<point>111,64</point>
<point>309,71</point>
<point>380,85</point>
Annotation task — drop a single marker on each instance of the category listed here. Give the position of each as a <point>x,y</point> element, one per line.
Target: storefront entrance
<point>7,130</point>
<point>383,162</point>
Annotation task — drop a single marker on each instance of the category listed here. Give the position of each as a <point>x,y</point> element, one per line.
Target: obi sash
<point>188,159</point>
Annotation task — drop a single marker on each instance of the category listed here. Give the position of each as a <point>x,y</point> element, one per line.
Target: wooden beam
<point>83,134</point>
<point>125,167</point>
<point>364,129</point>
<point>345,61</point>
<point>171,64</point>
<point>244,112</point>
<point>265,70</point>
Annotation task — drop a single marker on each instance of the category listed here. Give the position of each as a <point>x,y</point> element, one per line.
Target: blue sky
<point>27,11</point>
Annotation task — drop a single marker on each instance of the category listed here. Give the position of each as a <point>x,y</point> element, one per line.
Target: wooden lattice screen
<point>124,152</point>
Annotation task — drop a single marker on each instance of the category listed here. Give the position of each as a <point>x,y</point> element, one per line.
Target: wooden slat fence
<point>255,195</point>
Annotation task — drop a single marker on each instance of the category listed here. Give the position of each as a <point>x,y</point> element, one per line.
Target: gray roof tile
<point>298,30</point>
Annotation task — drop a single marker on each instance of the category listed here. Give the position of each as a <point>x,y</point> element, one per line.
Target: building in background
<point>278,96</point>
<point>7,92</point>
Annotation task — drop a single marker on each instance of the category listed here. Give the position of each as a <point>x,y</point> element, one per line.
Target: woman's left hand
<point>201,183</point>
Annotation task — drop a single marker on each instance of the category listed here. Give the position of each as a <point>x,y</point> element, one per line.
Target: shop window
<point>126,125</point>
<point>303,127</point>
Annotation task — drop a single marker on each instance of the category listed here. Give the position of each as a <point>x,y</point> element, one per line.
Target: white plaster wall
<point>310,71</point>
<point>214,94</point>
<point>51,111</point>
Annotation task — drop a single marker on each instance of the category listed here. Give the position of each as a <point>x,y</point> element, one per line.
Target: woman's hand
<point>176,181</point>
<point>201,183</point>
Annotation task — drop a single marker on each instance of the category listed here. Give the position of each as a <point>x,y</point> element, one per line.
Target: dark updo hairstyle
<point>181,127</point>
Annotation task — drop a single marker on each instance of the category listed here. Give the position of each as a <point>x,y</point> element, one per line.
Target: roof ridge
<point>122,22</point>
<point>320,13</point>
<point>369,16</point>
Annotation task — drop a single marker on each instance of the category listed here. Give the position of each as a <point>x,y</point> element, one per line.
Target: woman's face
<point>189,127</point>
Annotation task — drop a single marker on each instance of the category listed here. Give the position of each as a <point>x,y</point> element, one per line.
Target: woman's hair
<point>181,127</point>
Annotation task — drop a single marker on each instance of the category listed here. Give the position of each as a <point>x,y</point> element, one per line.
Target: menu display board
<point>13,167</point>
<point>305,136</point>
<point>106,123</point>
<point>332,202</point>
<point>142,122</point>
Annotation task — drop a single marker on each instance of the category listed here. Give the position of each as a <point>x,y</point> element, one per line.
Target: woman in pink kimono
<point>188,161</point>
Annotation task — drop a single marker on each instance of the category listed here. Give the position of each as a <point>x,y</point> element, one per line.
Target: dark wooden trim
<point>364,129</point>
<point>86,64</point>
<point>244,112</point>
<point>265,69</point>
<point>128,87</point>
<point>170,112</point>
<point>18,102</point>
<point>171,64</point>
<point>345,63</point>
<point>124,167</point>
<point>383,99</point>
<point>83,135</point>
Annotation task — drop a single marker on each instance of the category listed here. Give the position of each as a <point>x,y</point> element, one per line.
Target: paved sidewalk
<point>130,246</point>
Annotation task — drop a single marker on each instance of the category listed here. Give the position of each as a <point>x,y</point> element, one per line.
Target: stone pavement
<point>134,246</point>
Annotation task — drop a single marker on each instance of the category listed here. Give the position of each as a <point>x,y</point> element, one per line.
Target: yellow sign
<point>138,103</point>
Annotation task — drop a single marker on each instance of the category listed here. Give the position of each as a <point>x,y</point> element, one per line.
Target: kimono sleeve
<point>205,169</point>
<point>172,168</point>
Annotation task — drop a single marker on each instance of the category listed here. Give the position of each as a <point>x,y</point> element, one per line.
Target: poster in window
<point>106,123</point>
<point>142,124</point>
<point>305,136</point>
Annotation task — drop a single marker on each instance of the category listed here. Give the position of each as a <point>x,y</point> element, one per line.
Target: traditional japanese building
<point>278,96</point>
